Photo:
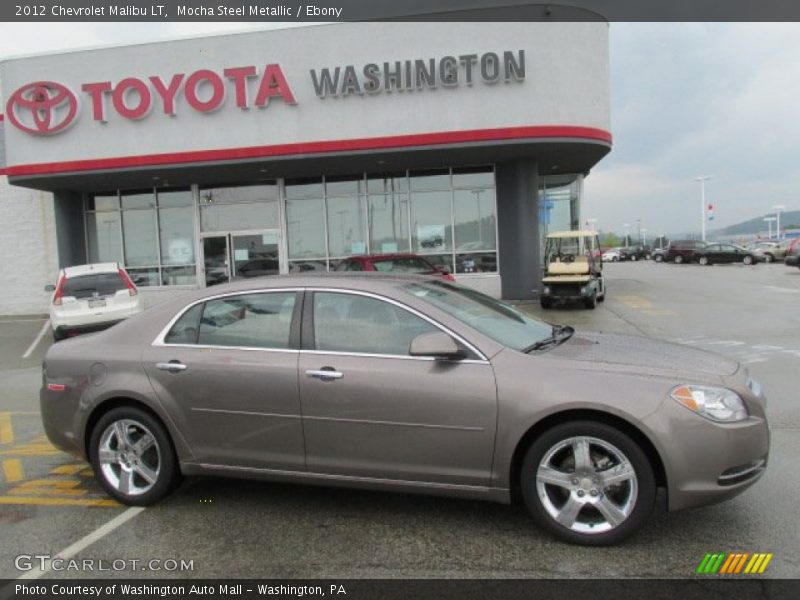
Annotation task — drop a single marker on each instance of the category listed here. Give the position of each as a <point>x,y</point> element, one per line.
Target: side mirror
<point>437,345</point>
<point>49,288</point>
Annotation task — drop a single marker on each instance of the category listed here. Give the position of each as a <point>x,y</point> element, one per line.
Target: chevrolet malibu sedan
<point>405,383</point>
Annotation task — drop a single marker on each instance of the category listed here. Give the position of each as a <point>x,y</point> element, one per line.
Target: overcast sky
<point>687,99</point>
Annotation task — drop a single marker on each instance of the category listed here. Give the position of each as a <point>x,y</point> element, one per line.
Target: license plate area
<point>97,303</point>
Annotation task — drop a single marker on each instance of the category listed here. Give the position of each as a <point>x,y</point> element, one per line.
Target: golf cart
<point>573,269</point>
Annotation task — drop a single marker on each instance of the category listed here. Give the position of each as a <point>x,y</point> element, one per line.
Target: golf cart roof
<point>571,234</point>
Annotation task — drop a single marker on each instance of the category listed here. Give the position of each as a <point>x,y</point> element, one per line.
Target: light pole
<point>778,208</point>
<point>627,242</point>
<point>644,237</point>
<point>478,206</point>
<point>769,221</point>
<point>702,181</point>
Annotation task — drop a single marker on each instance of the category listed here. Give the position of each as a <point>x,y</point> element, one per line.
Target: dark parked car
<point>724,253</point>
<point>405,383</point>
<point>394,263</point>
<point>683,251</point>
<point>637,252</point>
<point>258,267</point>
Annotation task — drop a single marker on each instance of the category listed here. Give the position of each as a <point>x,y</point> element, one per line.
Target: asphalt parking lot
<point>49,502</point>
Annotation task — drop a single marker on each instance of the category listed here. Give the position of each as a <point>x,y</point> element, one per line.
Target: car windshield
<point>402,265</point>
<point>100,284</point>
<point>493,318</point>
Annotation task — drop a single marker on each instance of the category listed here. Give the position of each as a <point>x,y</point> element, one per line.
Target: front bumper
<point>568,290</point>
<point>709,462</point>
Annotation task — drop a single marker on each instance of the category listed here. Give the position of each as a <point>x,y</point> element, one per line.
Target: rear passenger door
<point>227,373</point>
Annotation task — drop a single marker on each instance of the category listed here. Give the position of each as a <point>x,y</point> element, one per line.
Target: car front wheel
<point>132,456</point>
<point>703,260</point>
<point>588,483</point>
<point>678,259</point>
<point>748,260</point>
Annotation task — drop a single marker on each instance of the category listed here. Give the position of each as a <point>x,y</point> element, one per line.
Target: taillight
<point>59,293</point>
<point>128,283</point>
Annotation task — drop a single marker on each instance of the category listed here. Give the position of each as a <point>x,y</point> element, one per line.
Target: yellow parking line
<point>12,470</point>
<point>34,501</point>
<point>6,430</point>
<point>68,469</point>
<point>49,487</point>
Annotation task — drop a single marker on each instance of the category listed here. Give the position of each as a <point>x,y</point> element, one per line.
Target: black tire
<point>168,471</point>
<point>678,259</point>
<point>703,260</point>
<point>591,301</point>
<point>546,303</point>
<point>634,258</point>
<point>768,258</point>
<point>658,258</point>
<point>645,482</point>
<point>748,260</point>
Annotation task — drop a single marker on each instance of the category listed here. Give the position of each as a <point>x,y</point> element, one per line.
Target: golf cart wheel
<point>678,259</point>
<point>546,303</point>
<point>591,301</point>
<point>703,260</point>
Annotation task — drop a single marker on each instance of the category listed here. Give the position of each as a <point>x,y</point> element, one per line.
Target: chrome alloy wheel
<point>129,457</point>
<point>587,485</point>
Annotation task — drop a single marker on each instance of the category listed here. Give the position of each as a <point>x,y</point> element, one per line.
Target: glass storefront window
<point>178,275</point>
<point>434,179</point>
<point>177,236</point>
<point>347,222</point>
<point>344,186</point>
<point>431,222</point>
<point>305,228</point>
<point>145,199</point>
<point>102,202</point>
<point>241,208</point>
<point>476,262</point>
<point>387,183</point>
<point>475,220</point>
<point>175,198</point>
<point>388,223</point>
<point>103,233</point>
<point>139,232</point>
<point>473,177</point>
<point>304,188</point>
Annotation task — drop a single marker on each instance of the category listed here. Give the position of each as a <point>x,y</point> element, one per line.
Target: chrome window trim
<point>159,341</point>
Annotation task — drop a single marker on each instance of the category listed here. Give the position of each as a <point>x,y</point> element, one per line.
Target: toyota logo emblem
<point>42,108</point>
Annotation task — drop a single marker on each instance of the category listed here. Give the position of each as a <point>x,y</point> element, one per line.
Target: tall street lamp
<point>769,221</point>
<point>627,242</point>
<point>702,181</point>
<point>778,208</point>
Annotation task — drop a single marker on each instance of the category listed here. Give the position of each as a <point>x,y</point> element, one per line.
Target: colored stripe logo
<point>736,563</point>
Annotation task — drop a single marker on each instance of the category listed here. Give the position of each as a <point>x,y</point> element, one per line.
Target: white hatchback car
<point>611,255</point>
<point>90,298</point>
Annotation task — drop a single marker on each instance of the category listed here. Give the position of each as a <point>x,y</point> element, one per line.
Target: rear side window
<point>96,284</point>
<point>186,328</point>
<point>261,320</point>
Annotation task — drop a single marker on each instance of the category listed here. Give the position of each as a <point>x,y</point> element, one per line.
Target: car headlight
<point>713,403</point>
<point>546,290</point>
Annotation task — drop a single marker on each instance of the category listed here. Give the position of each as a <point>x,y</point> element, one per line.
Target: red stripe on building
<point>302,148</point>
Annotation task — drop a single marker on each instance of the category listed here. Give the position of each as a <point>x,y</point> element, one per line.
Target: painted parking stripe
<point>49,501</point>
<point>38,339</point>
<point>88,540</point>
<point>12,470</point>
<point>6,430</point>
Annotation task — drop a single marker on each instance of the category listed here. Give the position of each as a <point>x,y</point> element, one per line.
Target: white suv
<point>91,298</point>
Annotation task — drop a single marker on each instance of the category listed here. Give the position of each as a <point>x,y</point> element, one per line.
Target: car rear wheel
<point>658,258</point>
<point>546,302</point>
<point>768,258</point>
<point>588,483</point>
<point>678,259</point>
<point>132,456</point>
<point>748,260</point>
<point>633,257</point>
<point>703,260</point>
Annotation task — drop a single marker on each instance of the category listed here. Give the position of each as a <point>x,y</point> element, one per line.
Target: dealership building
<point>199,160</point>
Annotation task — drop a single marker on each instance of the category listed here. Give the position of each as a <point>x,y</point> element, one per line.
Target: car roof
<point>569,234</point>
<point>90,269</point>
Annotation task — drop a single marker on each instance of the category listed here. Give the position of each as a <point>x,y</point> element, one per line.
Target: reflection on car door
<point>227,373</point>
<point>371,410</point>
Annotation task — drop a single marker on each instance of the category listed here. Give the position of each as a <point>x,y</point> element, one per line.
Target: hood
<point>644,354</point>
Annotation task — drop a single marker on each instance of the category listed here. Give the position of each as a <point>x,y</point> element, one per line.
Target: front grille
<point>565,290</point>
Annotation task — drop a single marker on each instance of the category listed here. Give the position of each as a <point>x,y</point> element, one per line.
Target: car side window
<point>353,323</point>
<point>185,329</point>
<point>260,320</point>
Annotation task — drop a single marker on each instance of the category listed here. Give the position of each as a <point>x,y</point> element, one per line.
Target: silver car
<point>405,383</point>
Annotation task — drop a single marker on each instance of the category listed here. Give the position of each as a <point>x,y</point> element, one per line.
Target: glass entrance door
<point>237,255</point>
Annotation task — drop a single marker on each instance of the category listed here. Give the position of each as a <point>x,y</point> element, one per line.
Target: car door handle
<point>324,374</point>
<point>172,367</point>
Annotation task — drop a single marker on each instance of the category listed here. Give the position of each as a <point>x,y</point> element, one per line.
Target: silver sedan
<point>409,384</point>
